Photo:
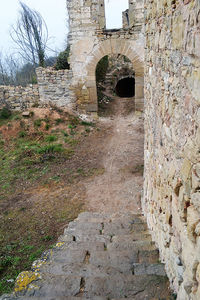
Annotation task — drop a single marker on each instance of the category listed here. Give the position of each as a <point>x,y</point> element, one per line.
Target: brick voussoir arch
<point>133,51</point>
<point>116,46</point>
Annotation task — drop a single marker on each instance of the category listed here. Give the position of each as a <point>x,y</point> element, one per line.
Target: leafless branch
<point>30,35</point>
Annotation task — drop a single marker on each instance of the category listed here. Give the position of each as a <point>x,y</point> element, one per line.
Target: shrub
<point>50,148</point>
<point>37,123</point>
<point>47,126</point>
<point>70,126</point>
<point>64,133</point>
<point>85,123</point>
<point>5,113</point>
<point>62,60</point>
<point>59,121</point>
<point>22,134</point>
<point>51,138</point>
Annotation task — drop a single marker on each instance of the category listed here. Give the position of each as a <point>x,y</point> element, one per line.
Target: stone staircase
<point>99,257</point>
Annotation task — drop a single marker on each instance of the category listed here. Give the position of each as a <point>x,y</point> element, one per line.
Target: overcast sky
<point>114,10</point>
<point>55,15</point>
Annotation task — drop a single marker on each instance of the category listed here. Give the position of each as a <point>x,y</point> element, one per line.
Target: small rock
<point>26,114</point>
<point>10,280</point>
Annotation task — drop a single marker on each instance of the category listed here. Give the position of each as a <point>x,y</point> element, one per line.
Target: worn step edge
<point>149,269</point>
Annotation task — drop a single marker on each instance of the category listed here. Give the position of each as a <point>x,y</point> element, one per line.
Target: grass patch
<point>87,130</point>
<point>59,121</point>
<point>85,123</point>
<point>51,138</point>
<point>71,141</point>
<point>72,126</point>
<point>51,148</point>
<point>22,134</point>
<point>7,116</point>
<point>37,123</point>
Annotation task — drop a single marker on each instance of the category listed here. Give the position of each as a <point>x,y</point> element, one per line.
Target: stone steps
<point>110,286</point>
<point>137,297</point>
<point>100,257</point>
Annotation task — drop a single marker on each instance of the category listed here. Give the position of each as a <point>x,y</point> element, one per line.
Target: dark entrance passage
<point>125,87</point>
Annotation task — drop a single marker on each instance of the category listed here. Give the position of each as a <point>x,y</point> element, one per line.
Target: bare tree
<point>16,72</point>
<point>31,35</point>
<point>4,77</point>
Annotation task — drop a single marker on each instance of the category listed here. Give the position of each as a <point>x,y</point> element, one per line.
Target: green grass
<point>34,255</point>
<point>47,126</point>
<point>38,123</point>
<point>12,257</point>
<point>87,130</point>
<point>85,123</point>
<point>6,116</point>
<point>51,138</point>
<point>59,121</point>
<point>70,126</point>
<point>64,133</point>
<point>51,148</point>
<point>22,134</point>
<point>22,159</point>
<point>47,238</point>
<point>71,141</point>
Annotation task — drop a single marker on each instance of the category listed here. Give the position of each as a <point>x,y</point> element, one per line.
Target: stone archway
<point>130,49</point>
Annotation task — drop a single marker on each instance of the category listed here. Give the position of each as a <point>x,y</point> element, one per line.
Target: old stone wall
<point>18,97</point>
<point>55,87</point>
<point>134,14</point>
<point>172,144</point>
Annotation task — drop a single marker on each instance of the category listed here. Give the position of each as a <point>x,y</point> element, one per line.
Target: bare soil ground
<point>119,187</point>
<point>43,187</point>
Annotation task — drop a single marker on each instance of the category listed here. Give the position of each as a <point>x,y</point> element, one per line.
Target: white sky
<point>55,15</point>
<point>113,9</point>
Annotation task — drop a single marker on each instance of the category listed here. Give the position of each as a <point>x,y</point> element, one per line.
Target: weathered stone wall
<point>18,97</point>
<point>55,87</point>
<point>134,15</point>
<point>172,145</point>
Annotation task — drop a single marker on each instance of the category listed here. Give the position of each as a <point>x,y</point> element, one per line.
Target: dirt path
<point>120,187</point>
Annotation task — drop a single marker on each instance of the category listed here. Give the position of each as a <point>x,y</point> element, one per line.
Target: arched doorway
<point>114,77</point>
<point>132,51</point>
<point>84,70</point>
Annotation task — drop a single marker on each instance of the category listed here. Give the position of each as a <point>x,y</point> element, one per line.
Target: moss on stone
<point>24,279</point>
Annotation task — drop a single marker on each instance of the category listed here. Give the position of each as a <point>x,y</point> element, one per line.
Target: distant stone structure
<point>90,41</point>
